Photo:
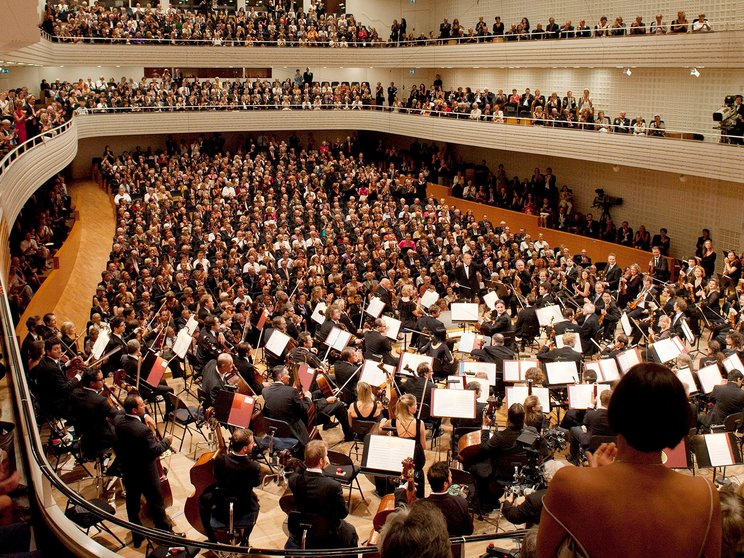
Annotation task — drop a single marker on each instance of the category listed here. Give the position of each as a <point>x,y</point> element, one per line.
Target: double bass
<point>202,477</point>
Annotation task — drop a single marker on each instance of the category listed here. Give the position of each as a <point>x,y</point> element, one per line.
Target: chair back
<point>282,429</point>
<point>362,427</point>
<point>733,422</point>
<point>339,459</point>
<point>311,530</point>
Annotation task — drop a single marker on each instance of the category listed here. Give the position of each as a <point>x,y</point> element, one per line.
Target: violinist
<point>131,364</point>
<point>610,351</point>
<point>377,345</point>
<point>565,353</point>
<point>583,287</point>
<point>498,323</point>
<point>53,386</point>
<point>731,271</point>
<point>710,303</point>
<point>407,425</point>
<point>207,345</point>
<point>139,449</point>
<point>544,298</point>
<point>343,369</point>
<point>69,339</point>
<point>215,378</point>
<point>589,328</point>
<point>365,407</point>
<point>631,283</point>
<point>428,324</point>
<point>568,324</point>
<point>407,308</point>
<point>247,370</point>
<point>695,284</point>
<point>49,326</point>
<point>665,328</point>
<point>305,352</point>
<point>609,316</point>
<point>93,415</point>
<point>236,475</point>
<point>113,363</point>
<point>527,327</point>
<point>679,317</point>
<point>496,353</point>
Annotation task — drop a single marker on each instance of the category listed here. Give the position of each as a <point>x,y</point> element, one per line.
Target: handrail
<point>36,462</point>
<point>20,149</point>
<point>669,133</point>
<point>722,26</point>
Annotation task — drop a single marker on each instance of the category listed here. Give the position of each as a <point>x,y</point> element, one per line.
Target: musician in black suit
<point>728,398</point>
<point>466,276</point>
<point>344,371</point>
<point>113,362</point>
<point>527,327</point>
<point>611,314</point>
<point>53,386</point>
<point>28,341</point>
<point>589,329</point>
<point>93,414</point>
<point>596,423</point>
<point>317,494</point>
<point>385,293</point>
<point>377,344</point>
<point>499,321</point>
<point>496,353</point>
<point>568,323</point>
<point>544,298</point>
<point>207,344</point>
<point>612,274</point>
<point>246,368</point>
<point>427,325</point>
<point>236,475</point>
<point>283,402</point>
<point>131,364</point>
<point>139,450</point>
<point>215,378</point>
<point>563,354</point>
<point>659,265</point>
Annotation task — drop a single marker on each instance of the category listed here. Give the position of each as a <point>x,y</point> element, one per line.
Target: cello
<point>202,477</point>
<point>387,504</point>
<point>469,445</point>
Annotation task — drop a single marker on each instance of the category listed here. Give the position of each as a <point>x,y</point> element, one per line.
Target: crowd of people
<point>301,92</point>
<point>263,231</point>
<point>283,23</point>
<point>23,117</point>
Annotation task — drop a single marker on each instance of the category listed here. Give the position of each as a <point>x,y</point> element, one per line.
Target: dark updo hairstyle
<point>649,408</point>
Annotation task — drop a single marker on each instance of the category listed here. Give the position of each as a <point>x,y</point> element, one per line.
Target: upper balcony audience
<point>284,23</point>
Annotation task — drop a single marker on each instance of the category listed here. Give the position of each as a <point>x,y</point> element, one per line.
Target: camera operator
<point>529,509</point>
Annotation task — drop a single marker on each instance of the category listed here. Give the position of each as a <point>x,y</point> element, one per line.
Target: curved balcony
<point>711,50</point>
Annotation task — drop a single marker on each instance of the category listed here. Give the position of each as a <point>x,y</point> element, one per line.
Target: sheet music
<point>594,365</point>
<point>386,453</point>
<point>191,325</point>
<point>684,375</point>
<point>277,342</point>
<point>375,307</point>
<point>562,372</point>
<point>710,377</point>
<point>688,332</point>
<point>372,374</point>
<point>577,345</point>
<point>733,362</point>
<point>467,342</point>
<point>666,350</point>
<point>514,370</point>
<point>628,359</point>
<point>338,339</point>
<point>580,396</point>
<point>472,367</point>
<point>464,312</point>
<point>490,299</point>
<point>719,449</point>
<point>412,361</point>
<point>100,345</point>
<point>485,387</point>
<point>545,314</point>
<point>625,322</point>
<point>392,326</point>
<point>517,394</point>
<point>608,369</point>
<point>454,403</point>
<point>182,343</point>
<point>319,313</point>
<point>429,298</point>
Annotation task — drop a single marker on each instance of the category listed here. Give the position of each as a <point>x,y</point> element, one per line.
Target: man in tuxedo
<point>30,339</point>
<point>612,273</point>
<point>116,341</point>
<point>283,402</point>
<point>346,373</point>
<point>93,414</point>
<point>527,327</point>
<point>728,397</point>
<point>497,353</point>
<point>466,276</point>
<point>53,386</point>
<point>139,450</point>
<point>377,344</point>
<point>131,364</point>
<point>596,423</point>
<point>316,493</point>
<point>589,329</point>
<point>544,297</point>
<point>215,378</point>
<point>659,265</point>
<point>611,315</point>
<point>568,323</point>
<point>563,354</point>
<point>207,345</point>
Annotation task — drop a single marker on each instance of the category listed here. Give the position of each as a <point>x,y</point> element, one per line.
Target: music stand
<point>234,409</point>
<point>384,455</point>
<point>716,451</point>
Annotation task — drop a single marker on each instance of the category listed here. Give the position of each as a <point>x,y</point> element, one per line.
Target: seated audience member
<point>414,532</point>
<point>649,411</point>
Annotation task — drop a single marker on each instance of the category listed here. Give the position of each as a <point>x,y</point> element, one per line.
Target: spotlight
<point>627,72</point>
<point>694,72</point>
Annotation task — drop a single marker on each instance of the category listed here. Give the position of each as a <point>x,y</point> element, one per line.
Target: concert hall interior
<point>335,278</point>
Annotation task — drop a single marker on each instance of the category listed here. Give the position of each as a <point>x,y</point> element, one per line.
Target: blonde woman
<point>365,407</point>
<point>407,426</point>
